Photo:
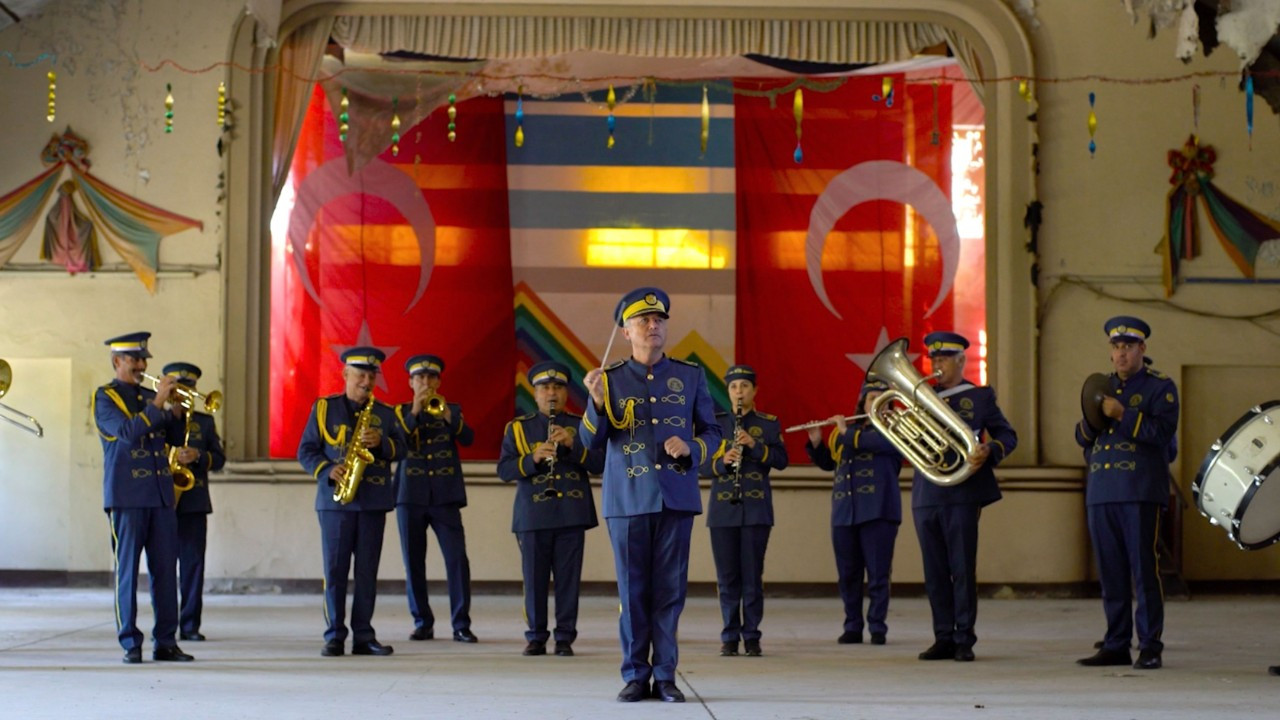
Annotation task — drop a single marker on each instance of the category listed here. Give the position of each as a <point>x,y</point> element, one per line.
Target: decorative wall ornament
<point>131,227</point>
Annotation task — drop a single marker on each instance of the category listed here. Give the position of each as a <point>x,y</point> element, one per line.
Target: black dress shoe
<point>850,638</point>
<point>465,636</point>
<point>964,653</point>
<point>939,651</point>
<point>752,648</point>
<point>535,648</point>
<point>729,649</point>
<point>1273,670</point>
<point>1105,657</point>
<point>634,692</point>
<point>666,691</point>
<point>422,633</point>
<point>170,654</point>
<point>192,636</point>
<point>132,656</point>
<point>564,649</point>
<point>877,638</point>
<point>373,647</point>
<point>1148,660</point>
<point>333,648</point>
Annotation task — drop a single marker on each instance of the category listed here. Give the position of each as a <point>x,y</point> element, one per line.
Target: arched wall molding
<point>997,38</point>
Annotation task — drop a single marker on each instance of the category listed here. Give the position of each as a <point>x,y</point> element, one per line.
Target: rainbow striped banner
<point>694,348</point>
<point>540,335</point>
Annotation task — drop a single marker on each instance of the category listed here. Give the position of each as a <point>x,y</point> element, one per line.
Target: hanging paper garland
<point>706,121</point>
<point>1093,126</point>
<point>53,86</point>
<point>886,92</point>
<point>168,108</point>
<point>797,109</point>
<point>611,100</point>
<point>1024,89</point>
<point>453,116</point>
<point>520,116</point>
<point>395,127</point>
<point>344,119</point>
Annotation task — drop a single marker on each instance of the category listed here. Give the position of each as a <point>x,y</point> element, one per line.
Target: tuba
<point>917,422</point>
<point>356,460</point>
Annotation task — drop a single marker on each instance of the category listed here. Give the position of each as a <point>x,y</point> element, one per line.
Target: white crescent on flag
<point>882,180</point>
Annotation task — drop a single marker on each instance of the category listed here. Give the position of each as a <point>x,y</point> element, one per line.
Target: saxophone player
<point>740,510</point>
<point>354,528</point>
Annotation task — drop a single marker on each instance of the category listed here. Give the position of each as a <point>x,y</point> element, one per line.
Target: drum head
<point>1096,386</point>
<point>1260,514</point>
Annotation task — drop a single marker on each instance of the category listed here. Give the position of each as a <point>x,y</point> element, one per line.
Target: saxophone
<point>183,478</point>
<point>357,458</point>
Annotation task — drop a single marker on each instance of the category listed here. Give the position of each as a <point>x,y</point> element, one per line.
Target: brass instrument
<point>358,457</point>
<point>820,423</point>
<point>183,478</point>
<point>6,381</point>
<point>735,493</point>
<point>434,404</point>
<point>911,416</point>
<point>551,491</point>
<point>188,397</point>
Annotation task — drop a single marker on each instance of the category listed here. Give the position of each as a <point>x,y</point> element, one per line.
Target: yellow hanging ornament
<point>53,87</point>
<point>611,100</point>
<point>797,109</point>
<point>453,116</point>
<point>222,104</point>
<point>706,120</point>
<point>395,128</point>
<point>168,108</point>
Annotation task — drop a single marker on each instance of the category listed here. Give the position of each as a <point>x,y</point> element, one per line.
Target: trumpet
<point>189,398</point>
<point>820,423</point>
<point>433,403</point>
<point>6,381</point>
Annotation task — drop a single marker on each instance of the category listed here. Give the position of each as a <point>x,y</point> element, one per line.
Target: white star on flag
<point>365,339</point>
<point>863,360</point>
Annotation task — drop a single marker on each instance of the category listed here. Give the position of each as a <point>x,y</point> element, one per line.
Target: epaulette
<point>616,365</point>
<point>767,416</point>
<point>690,363</point>
<point>528,416</point>
<point>384,404</point>
<point>575,416</point>
<point>1157,374</point>
<point>721,413</point>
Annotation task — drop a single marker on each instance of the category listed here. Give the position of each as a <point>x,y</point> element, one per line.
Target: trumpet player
<point>353,529</point>
<point>138,496</point>
<point>202,453</point>
<point>866,511</point>
<point>430,494</point>
<point>553,507</point>
<point>946,517</point>
<point>740,510</point>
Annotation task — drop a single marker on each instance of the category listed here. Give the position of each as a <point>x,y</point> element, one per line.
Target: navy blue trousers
<point>651,555</point>
<point>446,520</point>
<point>192,532</point>
<point>864,549</point>
<point>156,531</point>
<point>1124,543</point>
<point>543,554</point>
<point>344,534</point>
<point>739,556</point>
<point>949,549</point>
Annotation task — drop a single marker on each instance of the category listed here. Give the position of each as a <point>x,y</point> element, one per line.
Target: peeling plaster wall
<point>105,95</point>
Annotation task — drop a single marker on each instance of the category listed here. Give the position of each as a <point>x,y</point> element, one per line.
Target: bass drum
<point>1237,487</point>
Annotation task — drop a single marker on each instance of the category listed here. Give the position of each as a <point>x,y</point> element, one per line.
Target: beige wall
<point>1102,217</point>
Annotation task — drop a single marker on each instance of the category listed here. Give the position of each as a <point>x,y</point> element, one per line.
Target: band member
<point>201,453</point>
<point>137,494</point>
<point>554,507</point>
<point>654,417</point>
<point>1128,484</point>
<point>430,494</point>
<point>946,517</point>
<point>866,510</point>
<point>740,511</point>
<point>354,528</point>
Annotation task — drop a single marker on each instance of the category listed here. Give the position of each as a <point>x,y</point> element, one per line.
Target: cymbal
<point>1095,387</point>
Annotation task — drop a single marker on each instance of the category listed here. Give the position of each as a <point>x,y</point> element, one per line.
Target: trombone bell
<point>23,421</point>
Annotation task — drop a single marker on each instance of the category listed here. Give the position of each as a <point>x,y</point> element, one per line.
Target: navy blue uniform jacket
<point>576,505</point>
<point>324,444</point>
<point>866,483</point>
<point>431,473</point>
<point>204,437</point>
<point>757,493</point>
<point>1129,459</point>
<point>977,407</point>
<point>133,434</point>
<point>643,407</point>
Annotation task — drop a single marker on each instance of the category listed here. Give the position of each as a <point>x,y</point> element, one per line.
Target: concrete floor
<point>59,659</point>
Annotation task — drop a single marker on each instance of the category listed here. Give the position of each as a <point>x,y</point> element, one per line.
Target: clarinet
<point>551,491</point>
<point>735,494</point>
